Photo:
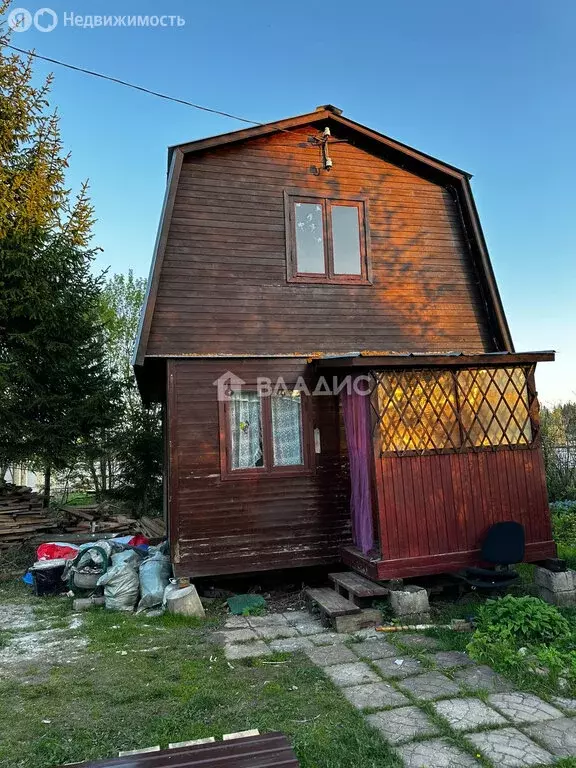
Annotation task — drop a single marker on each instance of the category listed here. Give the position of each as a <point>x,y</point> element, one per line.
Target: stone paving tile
<point>330,638</point>
<point>483,678</point>
<point>468,714</point>
<point>523,707</point>
<point>271,619</point>
<point>292,617</point>
<point>367,634</point>
<point>291,644</point>
<point>569,705</point>
<point>275,632</point>
<point>435,754</point>
<point>430,686</point>
<point>508,748</point>
<point>309,627</point>
<point>404,724</point>
<point>374,649</point>
<point>331,654</point>
<point>417,642</point>
<point>449,659</point>
<point>558,735</point>
<point>374,696</point>
<point>247,650</point>
<point>237,635</point>
<point>236,622</point>
<point>345,675</point>
<point>397,667</point>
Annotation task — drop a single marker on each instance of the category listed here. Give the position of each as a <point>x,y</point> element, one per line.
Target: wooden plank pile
<point>102,518</point>
<point>21,515</point>
<point>96,518</point>
<point>152,527</point>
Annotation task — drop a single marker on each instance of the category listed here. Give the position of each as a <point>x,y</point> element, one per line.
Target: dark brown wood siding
<point>434,510</point>
<point>223,285</point>
<point>224,526</point>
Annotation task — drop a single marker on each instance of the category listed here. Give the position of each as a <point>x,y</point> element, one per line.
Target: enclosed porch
<point>441,447</point>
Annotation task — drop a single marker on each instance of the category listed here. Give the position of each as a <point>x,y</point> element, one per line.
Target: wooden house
<point>339,382</point>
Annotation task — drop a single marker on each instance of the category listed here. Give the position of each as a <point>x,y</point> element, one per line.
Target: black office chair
<point>504,545</point>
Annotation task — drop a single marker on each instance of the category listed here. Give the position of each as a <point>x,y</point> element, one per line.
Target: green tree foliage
<point>558,431</point>
<point>55,387</point>
<point>125,460</point>
<point>140,463</point>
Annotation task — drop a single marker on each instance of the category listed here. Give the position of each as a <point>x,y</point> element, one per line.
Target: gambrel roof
<point>371,141</point>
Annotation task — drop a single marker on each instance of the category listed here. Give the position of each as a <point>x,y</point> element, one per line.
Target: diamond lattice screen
<point>417,411</point>
<point>494,406</point>
<point>438,411</point>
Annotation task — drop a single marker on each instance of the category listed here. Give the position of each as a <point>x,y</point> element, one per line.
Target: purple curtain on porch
<point>356,412</point>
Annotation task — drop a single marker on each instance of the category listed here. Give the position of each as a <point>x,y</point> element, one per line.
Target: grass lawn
<point>141,682</point>
<point>127,682</point>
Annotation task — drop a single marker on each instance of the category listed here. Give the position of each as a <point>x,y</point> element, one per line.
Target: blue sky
<point>486,86</point>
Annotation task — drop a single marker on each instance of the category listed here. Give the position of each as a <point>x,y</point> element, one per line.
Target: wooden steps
<point>356,588</point>
<point>330,604</point>
<point>345,607</point>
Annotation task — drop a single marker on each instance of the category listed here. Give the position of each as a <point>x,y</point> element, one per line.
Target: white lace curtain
<point>246,434</point>
<point>286,429</point>
<point>246,430</point>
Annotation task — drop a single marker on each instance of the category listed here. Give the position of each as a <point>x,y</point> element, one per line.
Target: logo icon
<point>227,384</point>
<point>20,20</point>
<point>45,20</point>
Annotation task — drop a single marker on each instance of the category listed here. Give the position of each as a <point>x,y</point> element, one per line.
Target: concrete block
<point>555,582</point>
<point>185,602</point>
<point>409,601</point>
<point>561,599</point>
<point>368,617</point>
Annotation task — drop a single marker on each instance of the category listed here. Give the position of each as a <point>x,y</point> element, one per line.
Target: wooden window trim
<point>268,469</point>
<point>293,196</point>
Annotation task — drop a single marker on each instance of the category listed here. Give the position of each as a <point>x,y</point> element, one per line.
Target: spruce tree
<point>55,387</point>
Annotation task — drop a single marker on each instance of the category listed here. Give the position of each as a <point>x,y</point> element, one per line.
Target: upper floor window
<point>326,239</point>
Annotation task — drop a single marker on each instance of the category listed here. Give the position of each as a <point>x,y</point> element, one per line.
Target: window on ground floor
<point>437,411</point>
<point>263,434</point>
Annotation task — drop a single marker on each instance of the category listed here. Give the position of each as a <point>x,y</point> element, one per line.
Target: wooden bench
<point>356,588</point>
<point>271,749</point>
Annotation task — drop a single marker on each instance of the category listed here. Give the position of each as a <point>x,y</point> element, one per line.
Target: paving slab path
<point>437,709</point>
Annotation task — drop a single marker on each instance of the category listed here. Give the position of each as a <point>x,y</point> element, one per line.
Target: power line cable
<point>132,85</point>
<point>148,91</point>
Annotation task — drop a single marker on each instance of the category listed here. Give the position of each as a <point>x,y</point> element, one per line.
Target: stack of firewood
<point>21,515</point>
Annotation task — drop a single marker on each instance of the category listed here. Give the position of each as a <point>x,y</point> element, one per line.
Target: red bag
<point>55,550</point>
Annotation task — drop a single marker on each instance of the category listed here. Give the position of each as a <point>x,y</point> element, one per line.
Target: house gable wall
<point>223,288</point>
